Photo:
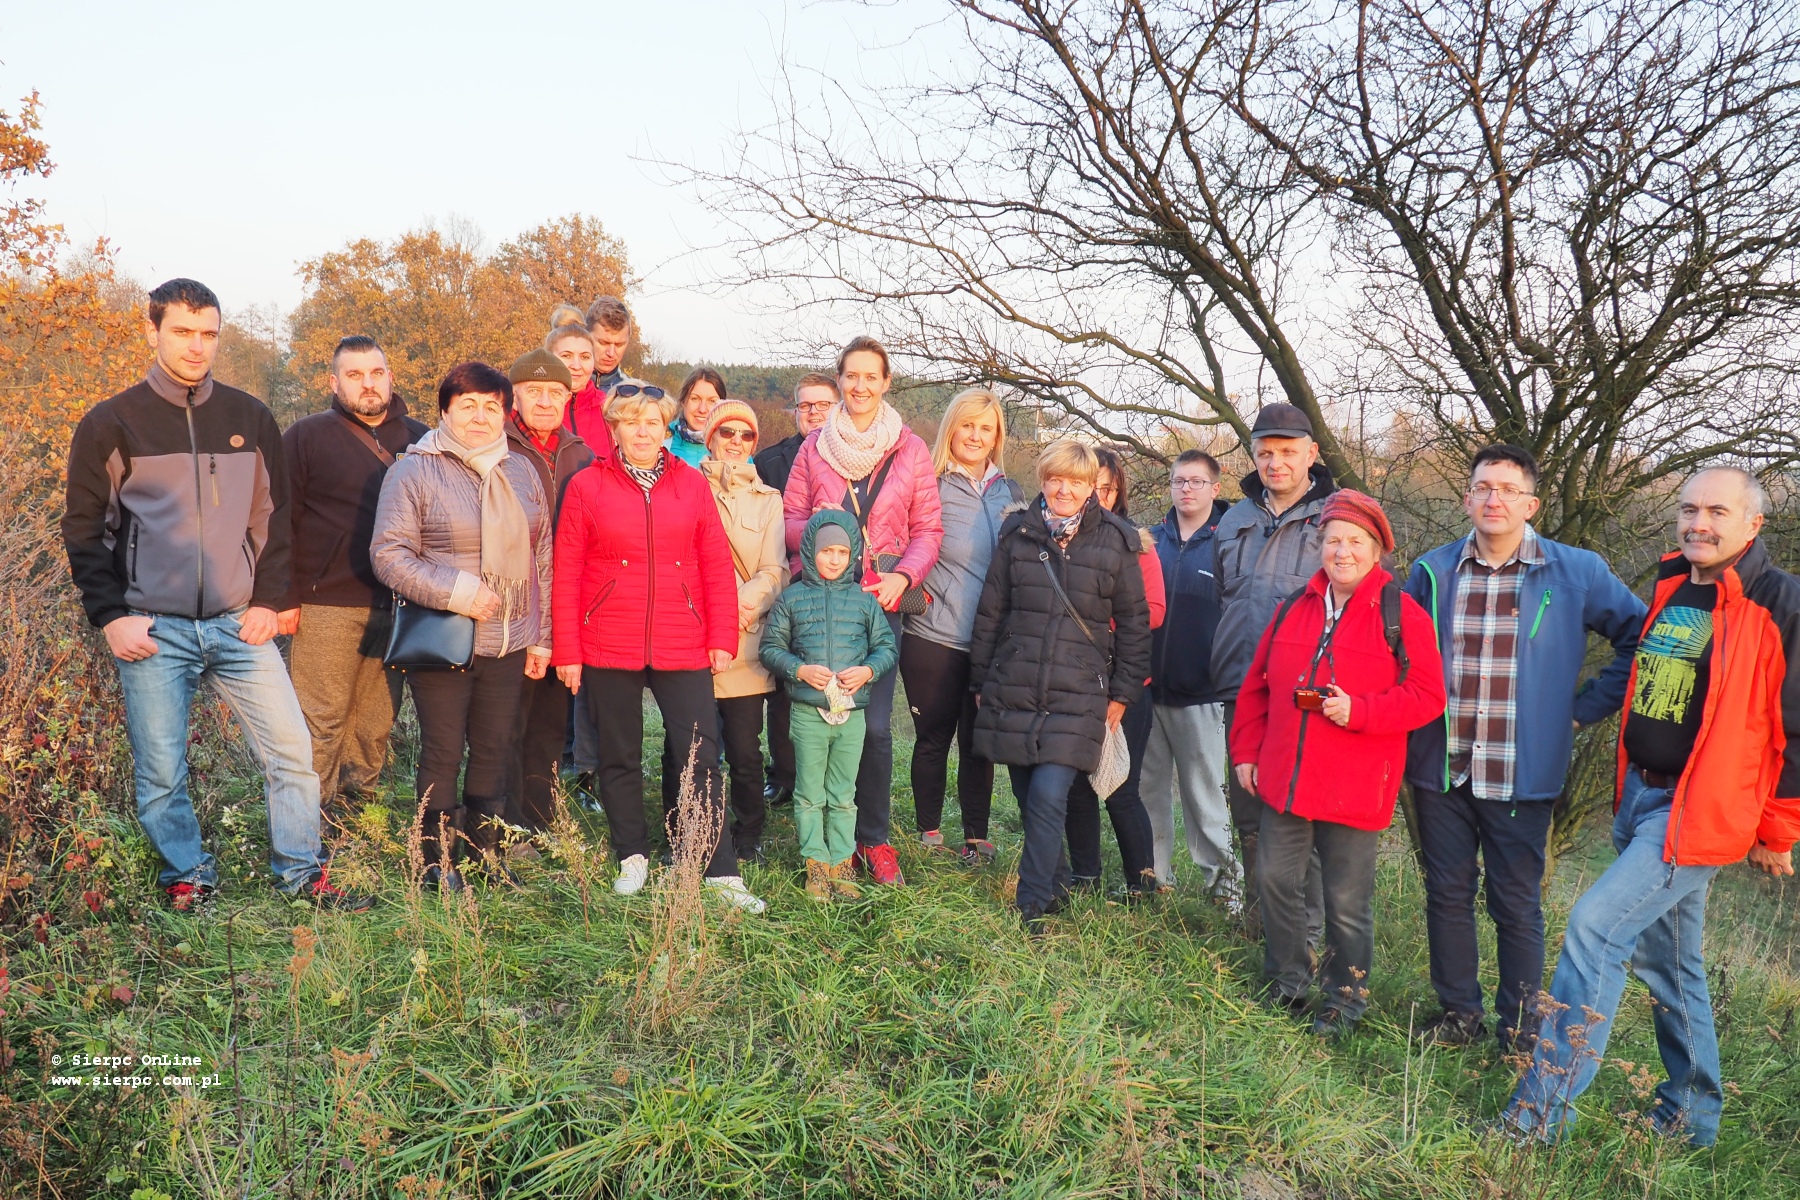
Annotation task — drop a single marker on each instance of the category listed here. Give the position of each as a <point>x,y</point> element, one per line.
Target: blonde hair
<point>567,314</point>
<point>623,408</point>
<point>971,402</point>
<point>562,333</point>
<point>1070,459</point>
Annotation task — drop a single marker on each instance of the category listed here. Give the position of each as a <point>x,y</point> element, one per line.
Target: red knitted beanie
<point>1362,511</point>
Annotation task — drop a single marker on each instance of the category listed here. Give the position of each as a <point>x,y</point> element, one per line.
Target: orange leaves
<point>434,299</point>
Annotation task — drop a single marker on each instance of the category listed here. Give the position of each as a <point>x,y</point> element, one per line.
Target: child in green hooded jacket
<point>828,640</point>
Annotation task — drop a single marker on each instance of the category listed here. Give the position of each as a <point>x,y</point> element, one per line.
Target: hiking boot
<point>818,879</point>
<point>882,864</point>
<point>932,839</point>
<point>1289,1006</point>
<point>1453,1029</point>
<point>325,894</point>
<point>978,852</point>
<point>1332,1025</point>
<point>187,897</point>
<point>843,880</point>
<point>1031,919</point>
<point>752,855</point>
<point>778,795</point>
<point>585,792</point>
<point>441,880</point>
<point>1084,883</point>
<point>1522,1040</point>
<point>731,889</point>
<point>633,873</point>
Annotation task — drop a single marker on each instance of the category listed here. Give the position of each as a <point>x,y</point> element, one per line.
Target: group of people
<point>1261,665</point>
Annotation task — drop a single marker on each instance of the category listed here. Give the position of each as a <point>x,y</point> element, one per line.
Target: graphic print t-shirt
<point>1674,667</point>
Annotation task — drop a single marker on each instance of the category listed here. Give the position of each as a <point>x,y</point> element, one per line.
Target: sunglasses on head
<point>735,433</point>
<point>632,389</point>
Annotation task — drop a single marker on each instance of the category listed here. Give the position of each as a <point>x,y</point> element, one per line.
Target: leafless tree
<point>1574,223</point>
<point>1078,215</point>
<point>1563,225</point>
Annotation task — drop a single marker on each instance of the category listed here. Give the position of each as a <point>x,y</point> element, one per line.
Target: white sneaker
<point>632,874</point>
<point>731,889</point>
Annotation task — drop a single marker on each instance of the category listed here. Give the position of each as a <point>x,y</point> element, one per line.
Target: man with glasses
<point>1186,753</point>
<point>814,396</point>
<point>1513,611</point>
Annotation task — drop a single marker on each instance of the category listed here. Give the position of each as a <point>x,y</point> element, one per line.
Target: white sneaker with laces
<point>731,889</point>
<point>632,874</point>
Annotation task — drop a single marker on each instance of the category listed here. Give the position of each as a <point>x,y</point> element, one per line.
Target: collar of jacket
<point>734,477</point>
<point>1030,521</point>
<point>1733,583</point>
<point>521,440</point>
<point>615,462</point>
<point>396,410</point>
<point>173,390</point>
<point>1322,486</point>
<point>1173,524</point>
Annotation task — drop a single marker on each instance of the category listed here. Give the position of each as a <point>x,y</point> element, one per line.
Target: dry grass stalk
<point>675,974</point>
<point>566,843</point>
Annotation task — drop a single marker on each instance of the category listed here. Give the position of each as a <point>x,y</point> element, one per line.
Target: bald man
<point>1709,774</point>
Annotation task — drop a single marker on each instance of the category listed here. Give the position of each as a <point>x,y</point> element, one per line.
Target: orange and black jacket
<point>1741,786</point>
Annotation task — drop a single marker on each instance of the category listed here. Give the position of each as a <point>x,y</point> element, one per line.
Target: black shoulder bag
<point>915,599</point>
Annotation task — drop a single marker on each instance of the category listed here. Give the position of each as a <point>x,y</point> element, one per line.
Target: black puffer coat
<point>1043,686</point>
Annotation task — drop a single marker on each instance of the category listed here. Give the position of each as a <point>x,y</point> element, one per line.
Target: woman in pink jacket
<point>866,461</point>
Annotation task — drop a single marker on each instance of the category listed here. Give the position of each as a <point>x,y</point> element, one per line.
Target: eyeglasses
<point>1508,494</point>
<point>735,433</point>
<point>815,406</point>
<point>1189,485</point>
<point>632,389</point>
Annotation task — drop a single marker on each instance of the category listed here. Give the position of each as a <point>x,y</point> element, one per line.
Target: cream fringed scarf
<point>853,453</point>
<point>508,565</point>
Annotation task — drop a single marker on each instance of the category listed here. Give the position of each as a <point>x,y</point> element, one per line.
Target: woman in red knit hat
<point>1320,736</point>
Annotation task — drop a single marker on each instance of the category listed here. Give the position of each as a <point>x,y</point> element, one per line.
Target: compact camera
<point>1310,699</point>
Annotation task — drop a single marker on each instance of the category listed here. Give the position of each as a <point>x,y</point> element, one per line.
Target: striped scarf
<point>646,476</point>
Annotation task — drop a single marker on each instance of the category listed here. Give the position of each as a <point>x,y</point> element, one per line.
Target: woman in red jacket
<point>645,595</point>
<point>1320,735</point>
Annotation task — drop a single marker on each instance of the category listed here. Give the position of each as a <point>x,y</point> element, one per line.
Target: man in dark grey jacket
<point>1267,547</point>
<point>176,527</point>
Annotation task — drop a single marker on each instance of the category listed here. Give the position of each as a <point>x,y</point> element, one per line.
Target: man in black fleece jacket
<point>339,613</point>
<point>176,527</point>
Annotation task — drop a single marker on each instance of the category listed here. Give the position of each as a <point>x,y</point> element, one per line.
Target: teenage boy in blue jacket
<point>1513,610</point>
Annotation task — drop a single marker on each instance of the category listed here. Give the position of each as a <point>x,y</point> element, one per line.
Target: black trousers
<point>537,751</point>
<point>1291,846</point>
<point>943,711</point>
<point>1130,822</point>
<point>740,720</point>
<point>478,711</point>
<point>691,722</point>
<point>1460,836</point>
<point>875,773</point>
<point>781,746</point>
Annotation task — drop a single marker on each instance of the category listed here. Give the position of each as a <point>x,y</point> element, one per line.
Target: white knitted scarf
<point>855,453</point>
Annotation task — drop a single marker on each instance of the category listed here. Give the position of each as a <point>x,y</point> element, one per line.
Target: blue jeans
<point>1043,795</point>
<point>1652,913</point>
<point>158,692</point>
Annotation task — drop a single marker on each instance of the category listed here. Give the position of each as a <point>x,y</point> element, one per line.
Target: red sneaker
<point>325,894</point>
<point>188,897</point>
<point>882,864</point>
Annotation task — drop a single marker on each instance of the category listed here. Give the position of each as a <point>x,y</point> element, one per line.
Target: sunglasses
<point>632,389</point>
<point>732,434</point>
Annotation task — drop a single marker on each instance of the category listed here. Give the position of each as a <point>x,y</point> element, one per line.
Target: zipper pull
<point>212,469</point>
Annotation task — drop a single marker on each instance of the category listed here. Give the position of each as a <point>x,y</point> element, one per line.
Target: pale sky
<point>231,141</point>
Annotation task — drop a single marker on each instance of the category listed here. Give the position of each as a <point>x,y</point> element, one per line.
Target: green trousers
<point>825,762</point>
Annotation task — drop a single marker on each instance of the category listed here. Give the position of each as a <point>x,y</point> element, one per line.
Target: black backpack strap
<point>1390,623</point>
<point>1283,609</point>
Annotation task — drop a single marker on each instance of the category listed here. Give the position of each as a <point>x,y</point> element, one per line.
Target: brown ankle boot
<point>818,880</point>
<point>843,880</point>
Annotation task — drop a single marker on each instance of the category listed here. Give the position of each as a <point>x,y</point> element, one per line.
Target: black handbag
<point>429,639</point>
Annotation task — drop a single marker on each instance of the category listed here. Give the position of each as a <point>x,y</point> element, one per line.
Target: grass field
<point>525,1043</point>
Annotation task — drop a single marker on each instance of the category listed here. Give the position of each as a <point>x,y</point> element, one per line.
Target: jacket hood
<point>1173,526</point>
<point>1322,486</point>
<point>809,565</point>
<point>733,477</point>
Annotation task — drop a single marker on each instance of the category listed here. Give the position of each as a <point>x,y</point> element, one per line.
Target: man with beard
<point>338,612</point>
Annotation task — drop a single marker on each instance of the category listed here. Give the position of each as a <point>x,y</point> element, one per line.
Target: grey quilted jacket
<point>427,544</point>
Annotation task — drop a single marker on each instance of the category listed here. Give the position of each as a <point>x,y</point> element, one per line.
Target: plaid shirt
<point>1484,669</point>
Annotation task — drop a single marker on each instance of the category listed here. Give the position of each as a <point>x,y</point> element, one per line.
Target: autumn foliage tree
<point>435,298</point>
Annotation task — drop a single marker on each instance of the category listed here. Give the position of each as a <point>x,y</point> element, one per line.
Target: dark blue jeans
<point>1651,913</point>
<point>1461,837</point>
<point>1043,795</point>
